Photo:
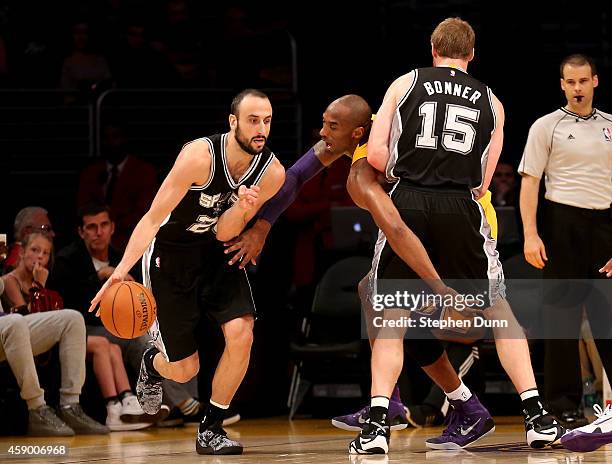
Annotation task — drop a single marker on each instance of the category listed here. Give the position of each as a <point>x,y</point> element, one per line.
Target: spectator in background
<point>29,219</point>
<point>83,68</point>
<point>124,182</point>
<point>136,64</point>
<point>123,410</point>
<point>504,185</point>
<point>23,337</point>
<point>238,38</point>
<point>79,272</point>
<point>176,31</point>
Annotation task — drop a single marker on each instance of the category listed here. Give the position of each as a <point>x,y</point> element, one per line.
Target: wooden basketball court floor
<point>303,441</point>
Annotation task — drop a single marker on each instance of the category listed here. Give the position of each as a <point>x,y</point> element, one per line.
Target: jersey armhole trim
<point>411,88</point>
<point>492,108</point>
<point>212,166</point>
<point>264,169</point>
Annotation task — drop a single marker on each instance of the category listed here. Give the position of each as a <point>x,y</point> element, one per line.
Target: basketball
<point>128,309</point>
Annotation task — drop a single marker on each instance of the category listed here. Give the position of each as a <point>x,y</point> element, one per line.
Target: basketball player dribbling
<point>439,135</point>
<point>203,201</point>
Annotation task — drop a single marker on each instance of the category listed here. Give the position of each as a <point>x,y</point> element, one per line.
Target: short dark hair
<point>246,92</point>
<point>91,209</point>
<point>577,59</point>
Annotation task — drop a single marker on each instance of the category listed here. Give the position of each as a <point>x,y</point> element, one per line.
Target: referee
<point>572,147</point>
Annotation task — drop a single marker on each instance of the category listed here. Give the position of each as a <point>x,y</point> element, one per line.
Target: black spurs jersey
<point>195,217</point>
<point>442,130</point>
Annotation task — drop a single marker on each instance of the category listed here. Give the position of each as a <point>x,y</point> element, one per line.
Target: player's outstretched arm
<point>248,245</point>
<point>192,166</point>
<point>233,221</point>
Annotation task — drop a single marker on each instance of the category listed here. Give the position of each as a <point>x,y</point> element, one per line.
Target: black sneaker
<point>149,386</point>
<point>373,439</point>
<point>215,441</point>
<point>424,415</point>
<point>543,430</point>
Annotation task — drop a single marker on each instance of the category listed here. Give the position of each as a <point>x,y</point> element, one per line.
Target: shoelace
<point>599,413</point>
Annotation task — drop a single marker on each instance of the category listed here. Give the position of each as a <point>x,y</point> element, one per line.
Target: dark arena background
<point>81,80</point>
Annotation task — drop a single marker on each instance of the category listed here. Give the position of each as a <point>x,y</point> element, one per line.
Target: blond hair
<point>453,38</point>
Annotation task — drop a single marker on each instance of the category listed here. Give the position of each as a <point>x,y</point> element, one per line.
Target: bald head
<point>356,110</point>
<point>345,122</point>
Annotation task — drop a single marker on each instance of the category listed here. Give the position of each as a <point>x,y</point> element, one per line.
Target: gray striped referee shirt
<point>575,154</point>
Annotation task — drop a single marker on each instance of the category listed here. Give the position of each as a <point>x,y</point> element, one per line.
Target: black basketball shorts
<point>190,281</point>
<point>455,232</point>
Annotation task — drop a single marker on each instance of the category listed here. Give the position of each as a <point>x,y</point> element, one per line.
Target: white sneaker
<point>114,422</point>
<point>591,436</point>
<point>130,409</point>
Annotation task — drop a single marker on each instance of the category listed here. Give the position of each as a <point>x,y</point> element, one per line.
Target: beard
<point>246,144</point>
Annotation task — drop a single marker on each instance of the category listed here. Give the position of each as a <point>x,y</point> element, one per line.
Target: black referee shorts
<point>190,281</point>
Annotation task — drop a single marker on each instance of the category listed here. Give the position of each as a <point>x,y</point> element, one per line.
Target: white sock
<point>462,393</point>
<point>531,393</point>
<point>220,406</point>
<point>380,401</point>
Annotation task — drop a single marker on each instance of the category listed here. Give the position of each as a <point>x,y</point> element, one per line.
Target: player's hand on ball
<point>115,277</point>
<point>248,196</point>
<point>535,252</point>
<point>607,268</point>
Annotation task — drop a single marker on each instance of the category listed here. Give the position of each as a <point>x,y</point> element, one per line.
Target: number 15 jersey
<point>442,130</point>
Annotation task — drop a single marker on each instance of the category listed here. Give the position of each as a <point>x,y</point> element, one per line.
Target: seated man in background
<point>23,337</point>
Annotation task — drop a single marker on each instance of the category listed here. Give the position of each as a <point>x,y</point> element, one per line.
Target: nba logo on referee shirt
<point>157,262</point>
<point>607,134</point>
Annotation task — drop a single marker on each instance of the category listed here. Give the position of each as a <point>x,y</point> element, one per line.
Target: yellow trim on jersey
<point>362,149</point>
<point>490,214</point>
<point>360,152</point>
